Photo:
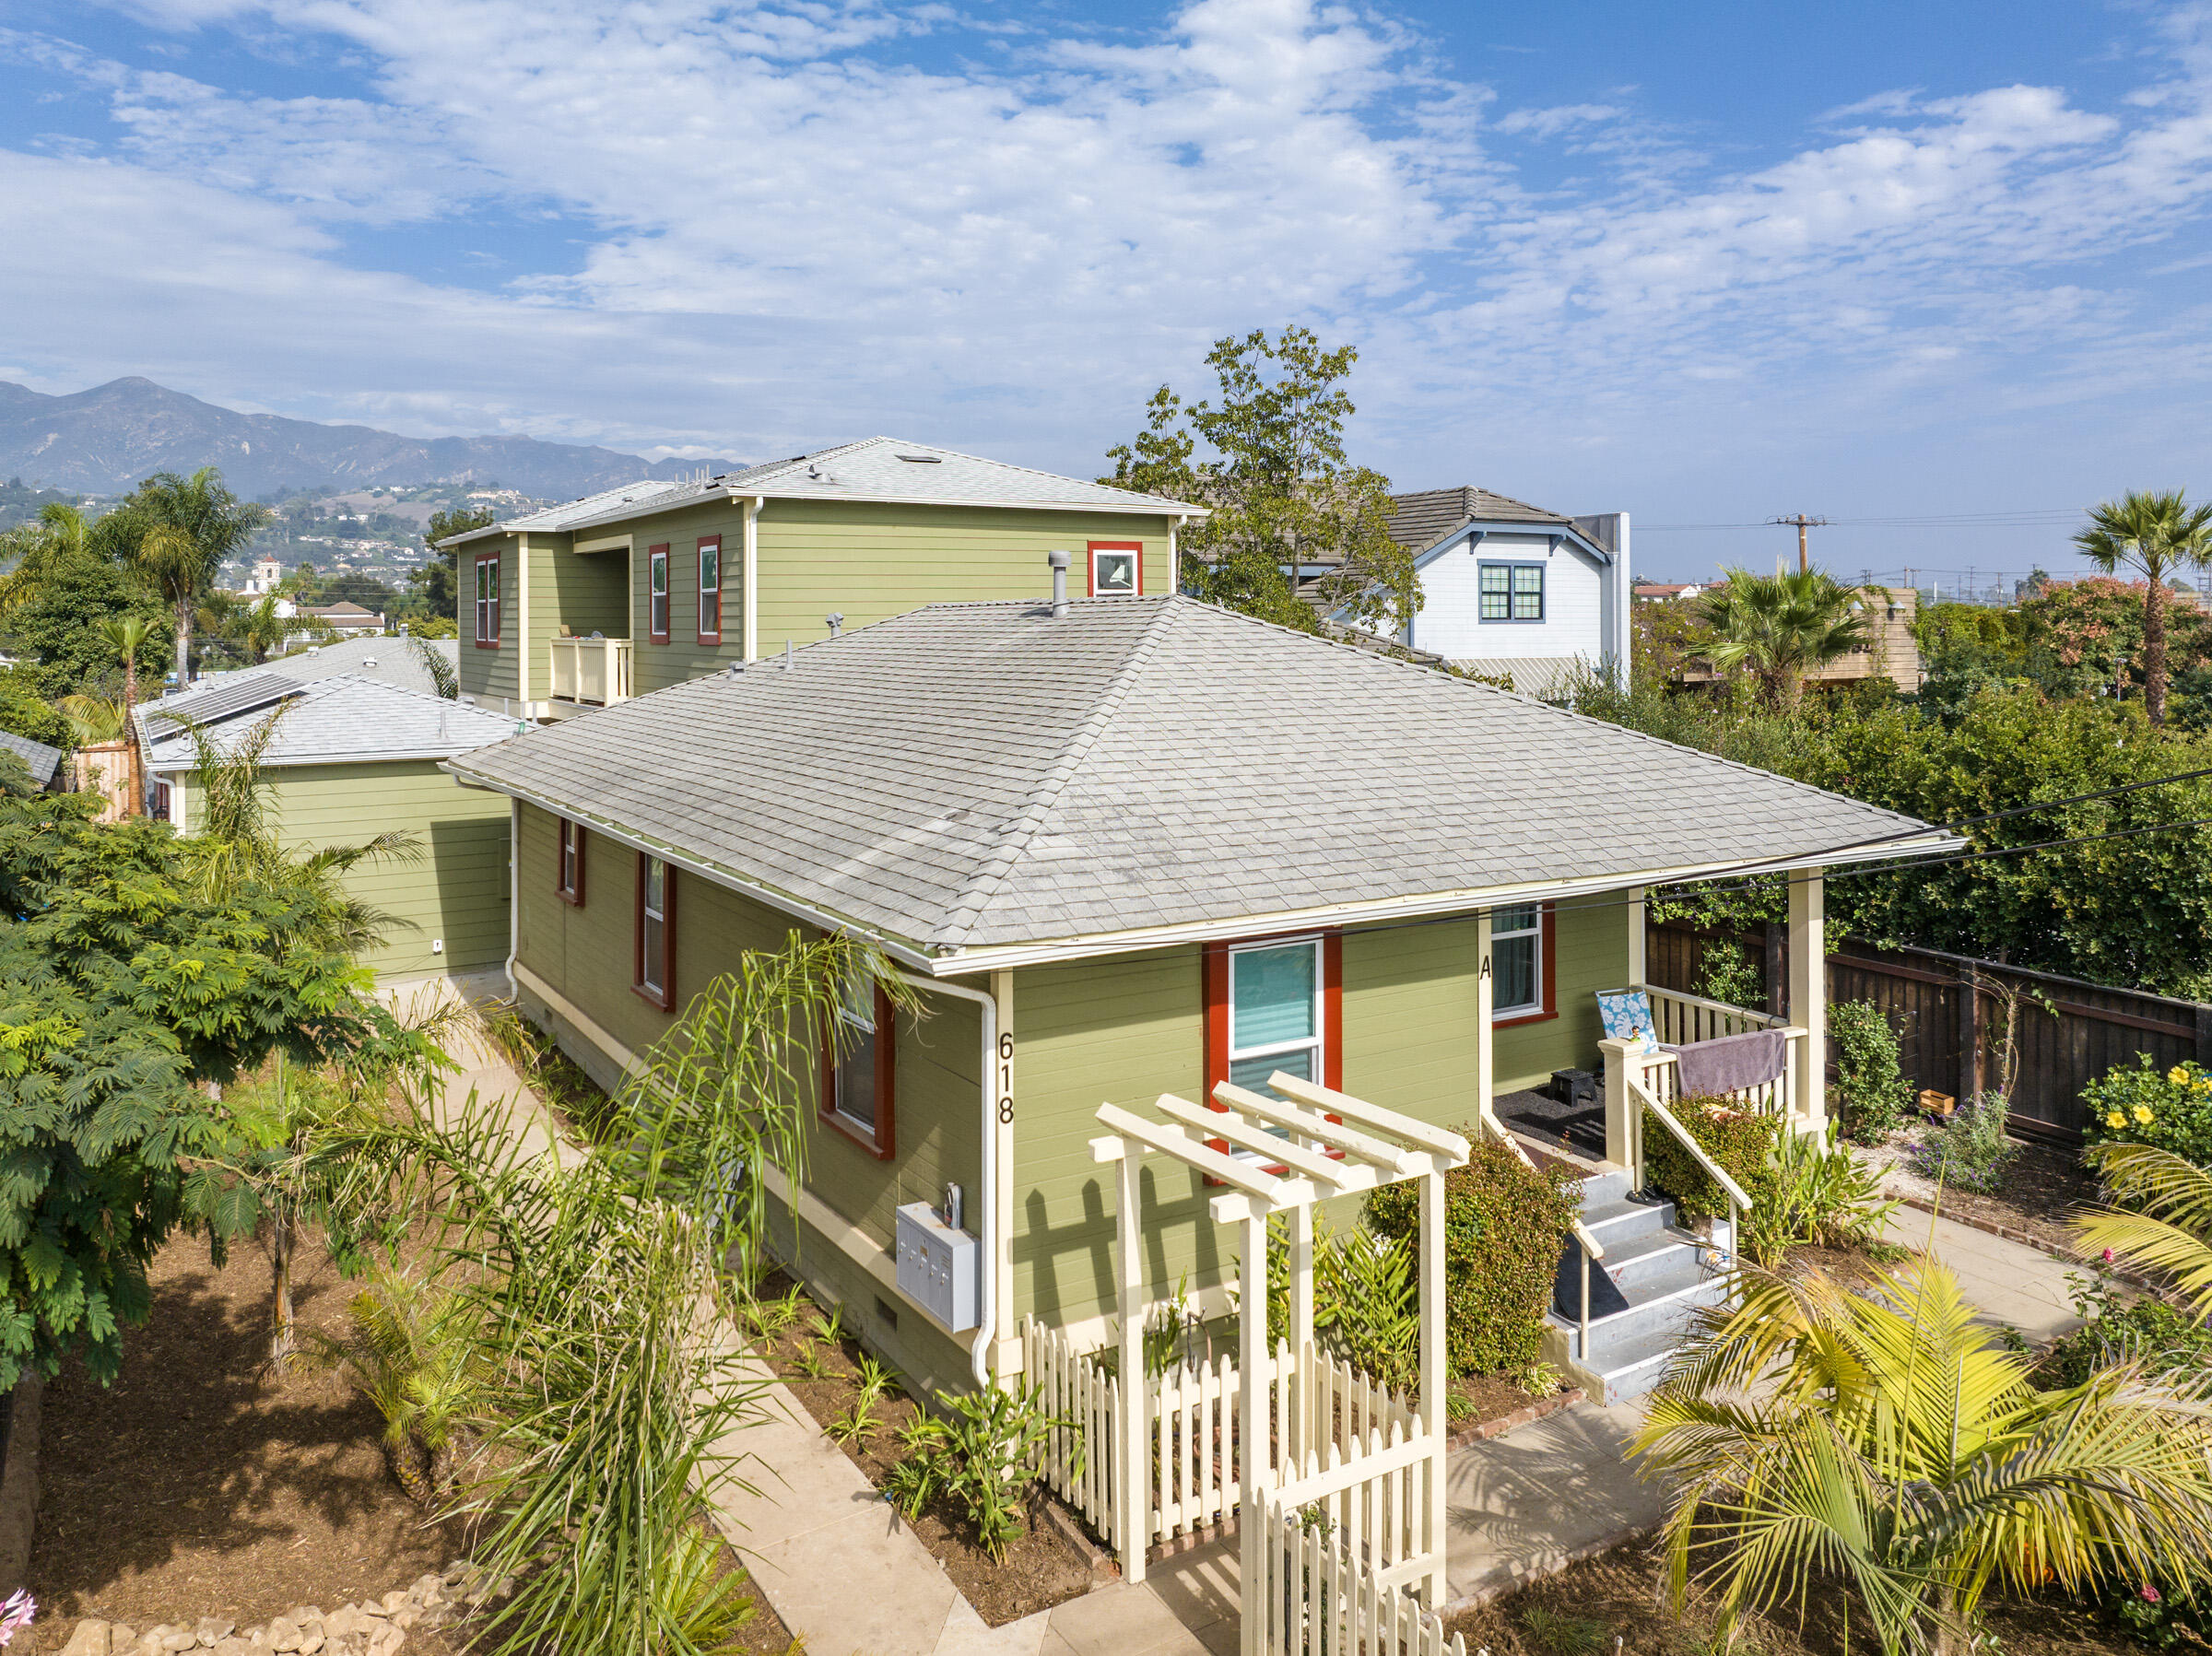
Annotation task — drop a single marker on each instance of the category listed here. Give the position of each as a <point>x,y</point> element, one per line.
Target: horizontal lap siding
<point>683,657</point>
<point>585,592</point>
<point>1120,1031</point>
<point>586,954</point>
<point>1592,954</point>
<point>455,890</point>
<point>869,563</point>
<point>488,673</point>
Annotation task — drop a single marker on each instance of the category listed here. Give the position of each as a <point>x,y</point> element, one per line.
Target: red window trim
<point>565,833</point>
<point>664,996</point>
<point>882,1143</point>
<point>1547,968</point>
<point>1217,1017</point>
<point>668,596</point>
<point>705,637</point>
<point>498,608</point>
<point>1091,563</point>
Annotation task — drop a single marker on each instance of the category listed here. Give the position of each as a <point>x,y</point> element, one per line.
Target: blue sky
<point>1939,273</point>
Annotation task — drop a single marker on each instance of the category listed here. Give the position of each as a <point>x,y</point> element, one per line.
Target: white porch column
<point>1486,1031</point>
<point>1639,953</point>
<point>1433,1413</point>
<point>1251,1424</point>
<point>1299,1434</point>
<point>1007,1355</point>
<point>1132,1491</point>
<point>1808,994</point>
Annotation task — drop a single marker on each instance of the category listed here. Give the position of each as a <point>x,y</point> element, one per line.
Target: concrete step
<point>1600,1188</point>
<point>1619,1221</point>
<point>1633,1369</point>
<point>1661,1311</point>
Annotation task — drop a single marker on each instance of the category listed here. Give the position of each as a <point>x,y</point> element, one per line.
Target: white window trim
<point>1136,570</point>
<point>1534,931</point>
<point>656,563</point>
<point>650,966</point>
<point>841,1060</point>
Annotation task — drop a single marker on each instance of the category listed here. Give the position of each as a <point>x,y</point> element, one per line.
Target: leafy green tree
<point>1884,1436</point>
<point>2158,535</point>
<point>70,575</point>
<point>185,528</point>
<point>127,983</point>
<point>1778,627</point>
<point>1269,461</point>
<point>126,636</point>
<point>26,713</point>
<point>437,582</point>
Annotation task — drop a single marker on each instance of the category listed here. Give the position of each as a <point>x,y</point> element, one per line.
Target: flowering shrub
<point>15,1615</point>
<point>2140,1104</point>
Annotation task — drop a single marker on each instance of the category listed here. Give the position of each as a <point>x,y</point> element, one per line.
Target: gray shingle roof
<point>340,719</point>
<point>875,468</point>
<point>395,661</point>
<point>40,760</point>
<point>969,775</point>
<point>1421,519</point>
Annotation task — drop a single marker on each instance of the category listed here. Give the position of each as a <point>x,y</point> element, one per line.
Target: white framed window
<point>1517,960</point>
<point>710,590</point>
<point>854,1067</point>
<point>655,931</point>
<point>1276,1019</point>
<point>656,594</point>
<point>488,600</point>
<point>1512,592</point>
<point>1116,569</point>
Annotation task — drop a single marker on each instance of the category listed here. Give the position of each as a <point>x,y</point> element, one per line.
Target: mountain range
<point>106,440</point>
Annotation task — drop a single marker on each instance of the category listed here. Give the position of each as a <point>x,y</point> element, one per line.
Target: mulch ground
<point>1490,1397</point>
<point>1616,1596</point>
<point>1042,1567</point>
<point>198,1483</point>
<point>2038,1189</point>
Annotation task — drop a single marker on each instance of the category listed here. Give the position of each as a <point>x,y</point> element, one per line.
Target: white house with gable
<point>1512,590</point>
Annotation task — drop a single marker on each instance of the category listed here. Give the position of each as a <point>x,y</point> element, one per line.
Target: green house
<point>588,604</point>
<point>1124,847</point>
<point>347,758</point>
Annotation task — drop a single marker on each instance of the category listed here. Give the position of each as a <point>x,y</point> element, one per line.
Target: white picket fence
<point>1197,1440</point>
<point>1322,1599</point>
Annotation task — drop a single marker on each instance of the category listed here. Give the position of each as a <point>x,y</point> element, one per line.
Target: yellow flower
<point>2114,1119</point>
<point>2143,1115</point>
<point>2177,1075</point>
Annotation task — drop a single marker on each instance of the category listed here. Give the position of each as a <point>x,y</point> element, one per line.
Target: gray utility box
<point>937,1267</point>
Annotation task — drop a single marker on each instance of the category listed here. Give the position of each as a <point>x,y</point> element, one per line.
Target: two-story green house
<point>589,604</point>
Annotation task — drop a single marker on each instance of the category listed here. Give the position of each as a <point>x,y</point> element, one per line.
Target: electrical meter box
<point>937,1267</point>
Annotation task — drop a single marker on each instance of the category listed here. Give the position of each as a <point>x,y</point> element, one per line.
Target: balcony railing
<point>591,672</point>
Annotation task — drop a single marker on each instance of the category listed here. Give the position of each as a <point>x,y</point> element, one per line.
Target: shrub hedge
<point>1504,1226</point>
<point>1742,1142</point>
<point>2141,1104</point>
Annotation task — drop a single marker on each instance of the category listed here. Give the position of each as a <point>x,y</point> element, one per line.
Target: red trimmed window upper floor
<point>488,600</point>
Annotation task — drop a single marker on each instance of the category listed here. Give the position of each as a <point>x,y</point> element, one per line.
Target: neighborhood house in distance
<point>629,591</point>
<point>1128,847</point>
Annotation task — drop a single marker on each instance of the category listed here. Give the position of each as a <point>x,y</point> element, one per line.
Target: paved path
<point>2010,1282</point>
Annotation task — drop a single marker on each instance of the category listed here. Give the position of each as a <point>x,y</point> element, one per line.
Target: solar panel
<point>219,701</point>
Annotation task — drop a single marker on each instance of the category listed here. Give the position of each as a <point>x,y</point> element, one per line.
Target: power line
<point>2025,517</point>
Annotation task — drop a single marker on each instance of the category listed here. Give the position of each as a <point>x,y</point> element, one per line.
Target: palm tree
<point>417,1356</point>
<point>2156,535</point>
<point>126,636</point>
<point>190,526</point>
<point>92,719</point>
<point>1781,627</point>
<point>262,631</point>
<point>2162,1220</point>
<point>1887,1438</point>
<point>59,533</point>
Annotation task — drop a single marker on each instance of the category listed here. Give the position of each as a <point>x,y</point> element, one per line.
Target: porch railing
<point>591,672</point>
<point>1680,1019</point>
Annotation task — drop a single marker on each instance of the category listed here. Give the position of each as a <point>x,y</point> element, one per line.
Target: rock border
<point>373,1627</point>
<point>19,1483</point>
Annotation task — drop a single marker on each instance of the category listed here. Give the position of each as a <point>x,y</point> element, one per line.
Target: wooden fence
<point>1950,1014</point>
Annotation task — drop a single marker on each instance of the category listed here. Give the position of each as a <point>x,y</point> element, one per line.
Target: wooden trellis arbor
<point>1304,1470</point>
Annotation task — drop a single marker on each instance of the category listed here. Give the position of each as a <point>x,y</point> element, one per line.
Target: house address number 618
<point>1006,1080</point>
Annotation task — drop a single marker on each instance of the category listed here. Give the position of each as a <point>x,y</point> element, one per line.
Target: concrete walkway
<point>2012,1284</point>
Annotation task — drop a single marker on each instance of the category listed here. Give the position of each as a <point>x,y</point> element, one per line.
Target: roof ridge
<point>975,895</point>
<point>1030,471</point>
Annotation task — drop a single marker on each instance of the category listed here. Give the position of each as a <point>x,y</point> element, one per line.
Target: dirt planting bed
<point>1618,1597</point>
<point>1043,1566</point>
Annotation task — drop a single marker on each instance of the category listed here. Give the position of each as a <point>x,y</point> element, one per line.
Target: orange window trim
<point>882,1143</point>
<point>1091,563</point>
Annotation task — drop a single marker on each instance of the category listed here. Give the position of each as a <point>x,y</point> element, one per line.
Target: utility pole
<point>1801,523</point>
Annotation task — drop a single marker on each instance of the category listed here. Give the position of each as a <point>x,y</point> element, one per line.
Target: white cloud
<point>785,230</point>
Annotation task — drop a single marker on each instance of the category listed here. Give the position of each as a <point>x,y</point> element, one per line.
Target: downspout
<point>514,892</point>
<point>1175,525</point>
<point>986,1285</point>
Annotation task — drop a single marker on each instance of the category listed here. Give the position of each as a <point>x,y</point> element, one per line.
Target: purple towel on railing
<point>1730,1065</point>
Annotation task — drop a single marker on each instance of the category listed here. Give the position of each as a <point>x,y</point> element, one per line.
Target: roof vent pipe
<point>837,623</point>
<point>1059,560</point>
<point>786,655</point>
